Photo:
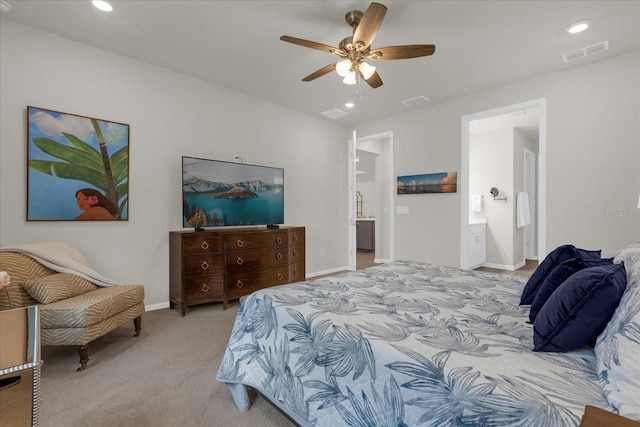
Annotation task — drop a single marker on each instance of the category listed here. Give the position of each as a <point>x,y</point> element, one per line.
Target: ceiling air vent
<point>334,114</point>
<point>586,51</point>
<point>415,101</point>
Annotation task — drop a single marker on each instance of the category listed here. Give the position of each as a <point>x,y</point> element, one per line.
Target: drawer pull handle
<point>239,243</point>
<point>279,276</point>
<point>205,287</point>
<point>279,256</point>
<point>295,253</point>
<point>204,265</point>
<point>204,245</point>
<point>239,284</point>
<point>279,240</point>
<point>295,237</point>
<point>295,271</point>
<point>240,261</point>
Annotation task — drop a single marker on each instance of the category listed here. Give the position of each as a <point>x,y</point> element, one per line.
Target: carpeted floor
<point>164,377</point>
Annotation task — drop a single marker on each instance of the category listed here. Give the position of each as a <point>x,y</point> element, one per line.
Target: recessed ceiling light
<point>349,104</point>
<point>578,27</point>
<point>102,5</point>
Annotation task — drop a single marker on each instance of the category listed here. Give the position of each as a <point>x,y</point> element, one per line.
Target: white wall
<point>593,154</point>
<point>170,115</point>
<point>491,165</point>
<point>592,168</point>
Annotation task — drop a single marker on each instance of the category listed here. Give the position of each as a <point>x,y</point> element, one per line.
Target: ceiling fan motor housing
<point>353,18</point>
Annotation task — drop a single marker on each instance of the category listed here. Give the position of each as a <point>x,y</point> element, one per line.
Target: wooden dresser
<point>222,265</point>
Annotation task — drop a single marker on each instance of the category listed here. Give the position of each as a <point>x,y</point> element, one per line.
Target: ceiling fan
<point>355,49</point>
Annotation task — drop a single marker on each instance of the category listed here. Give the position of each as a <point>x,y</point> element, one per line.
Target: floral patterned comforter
<point>405,344</point>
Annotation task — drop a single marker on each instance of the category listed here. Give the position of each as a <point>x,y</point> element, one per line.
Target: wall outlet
<point>428,259</point>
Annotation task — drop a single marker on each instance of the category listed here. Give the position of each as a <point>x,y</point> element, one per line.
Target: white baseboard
<point>323,272</point>
<point>504,266</point>
<point>159,306</point>
<point>381,261</point>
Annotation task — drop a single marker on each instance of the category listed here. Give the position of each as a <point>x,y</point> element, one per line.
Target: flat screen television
<point>216,193</point>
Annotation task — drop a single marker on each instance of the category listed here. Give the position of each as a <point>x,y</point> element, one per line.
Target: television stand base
<point>273,226</point>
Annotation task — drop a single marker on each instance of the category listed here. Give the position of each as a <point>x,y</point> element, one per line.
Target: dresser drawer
<point>203,264</point>
<point>296,237</point>
<point>202,242</point>
<point>204,287</point>
<point>252,241</point>
<point>242,261</point>
<point>296,253</point>
<point>296,272</point>
<point>246,283</point>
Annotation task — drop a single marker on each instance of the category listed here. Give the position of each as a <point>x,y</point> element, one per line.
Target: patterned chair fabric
<point>73,321</point>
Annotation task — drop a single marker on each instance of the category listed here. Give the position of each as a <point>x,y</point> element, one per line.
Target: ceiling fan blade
<point>402,52</point>
<point>321,72</point>
<point>369,25</point>
<point>312,45</point>
<point>374,81</point>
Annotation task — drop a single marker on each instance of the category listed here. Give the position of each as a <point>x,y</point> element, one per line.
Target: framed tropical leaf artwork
<point>77,167</point>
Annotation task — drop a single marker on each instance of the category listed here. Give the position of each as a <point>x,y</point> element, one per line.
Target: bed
<point>407,343</point>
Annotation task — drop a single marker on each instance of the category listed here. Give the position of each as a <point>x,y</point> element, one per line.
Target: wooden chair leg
<point>137,323</point>
<point>83,351</point>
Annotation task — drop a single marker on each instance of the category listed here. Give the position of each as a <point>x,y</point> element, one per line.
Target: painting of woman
<point>95,205</point>
<point>68,151</point>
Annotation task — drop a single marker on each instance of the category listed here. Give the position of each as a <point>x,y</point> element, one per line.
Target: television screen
<point>216,193</point>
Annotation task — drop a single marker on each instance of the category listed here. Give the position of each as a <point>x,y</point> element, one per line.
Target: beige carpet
<point>164,377</point>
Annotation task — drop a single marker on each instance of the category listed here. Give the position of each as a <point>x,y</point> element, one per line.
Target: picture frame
<point>77,167</point>
<point>440,182</point>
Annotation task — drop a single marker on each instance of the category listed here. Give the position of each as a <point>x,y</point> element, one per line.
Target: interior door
<point>352,201</point>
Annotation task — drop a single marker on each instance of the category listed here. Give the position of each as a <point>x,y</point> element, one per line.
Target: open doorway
<point>505,150</point>
<point>372,194</point>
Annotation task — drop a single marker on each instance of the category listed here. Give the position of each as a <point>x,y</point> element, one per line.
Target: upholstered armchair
<point>77,305</point>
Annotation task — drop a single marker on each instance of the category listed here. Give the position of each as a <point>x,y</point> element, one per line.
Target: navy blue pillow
<point>558,255</point>
<point>579,310</point>
<point>557,276</point>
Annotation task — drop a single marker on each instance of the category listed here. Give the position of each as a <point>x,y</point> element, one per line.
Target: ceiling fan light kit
<point>347,69</point>
<point>367,70</point>
<point>355,49</point>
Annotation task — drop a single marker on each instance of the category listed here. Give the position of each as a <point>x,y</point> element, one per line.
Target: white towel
<point>476,202</point>
<point>523,216</point>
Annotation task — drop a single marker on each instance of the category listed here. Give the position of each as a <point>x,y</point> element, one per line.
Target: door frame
<point>463,183</point>
<point>353,142</point>
<point>351,197</point>
<point>529,171</point>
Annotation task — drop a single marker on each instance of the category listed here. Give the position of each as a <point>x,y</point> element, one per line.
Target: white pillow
<point>631,258</point>
<point>617,353</point>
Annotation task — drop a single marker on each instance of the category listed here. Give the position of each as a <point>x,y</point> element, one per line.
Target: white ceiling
<point>235,44</point>
<point>528,121</point>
